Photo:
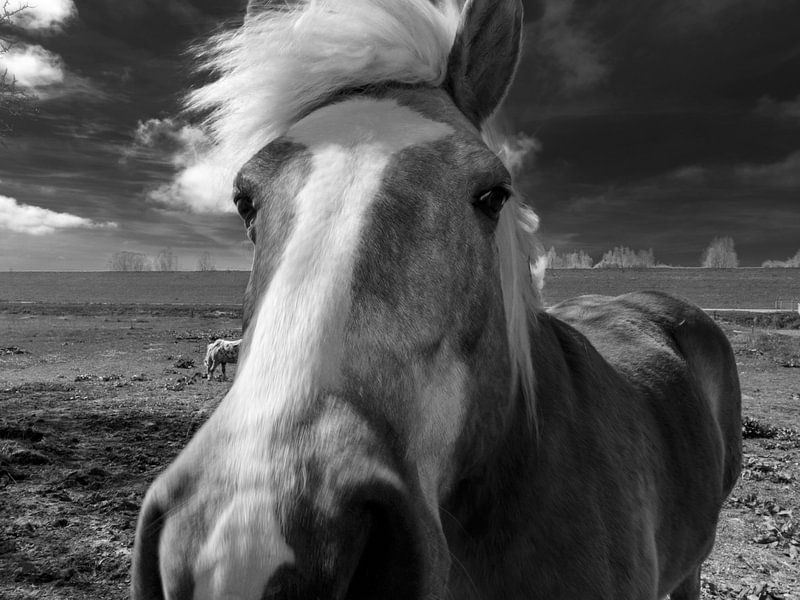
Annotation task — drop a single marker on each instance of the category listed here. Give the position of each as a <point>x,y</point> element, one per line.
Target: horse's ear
<point>484,56</point>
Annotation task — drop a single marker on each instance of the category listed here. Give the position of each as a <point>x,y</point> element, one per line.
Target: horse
<point>408,421</point>
<point>219,353</point>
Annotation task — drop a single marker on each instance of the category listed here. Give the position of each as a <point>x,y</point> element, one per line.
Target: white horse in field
<point>407,421</point>
<point>218,354</point>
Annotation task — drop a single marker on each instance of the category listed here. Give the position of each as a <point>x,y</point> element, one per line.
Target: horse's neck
<point>483,502</point>
<point>502,495</point>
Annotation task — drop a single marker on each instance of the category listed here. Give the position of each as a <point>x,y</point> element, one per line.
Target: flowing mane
<point>285,61</point>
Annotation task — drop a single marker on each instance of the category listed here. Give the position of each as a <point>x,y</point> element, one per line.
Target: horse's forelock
<point>285,61</point>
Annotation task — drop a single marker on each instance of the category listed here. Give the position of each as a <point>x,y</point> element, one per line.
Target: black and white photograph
<point>399,299</point>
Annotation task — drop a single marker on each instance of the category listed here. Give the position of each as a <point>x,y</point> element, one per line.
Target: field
<point>709,288</point>
<point>100,388</point>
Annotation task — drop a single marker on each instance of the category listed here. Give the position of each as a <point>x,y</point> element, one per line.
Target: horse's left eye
<point>244,205</point>
<point>492,202</point>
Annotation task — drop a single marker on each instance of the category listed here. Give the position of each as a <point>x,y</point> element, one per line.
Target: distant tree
<point>13,100</point>
<point>166,261</point>
<point>206,262</point>
<point>129,261</point>
<point>789,263</point>
<point>570,260</point>
<point>622,257</point>
<point>720,254</point>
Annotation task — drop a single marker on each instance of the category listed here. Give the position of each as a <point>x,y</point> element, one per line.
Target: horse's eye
<point>491,202</point>
<point>244,204</point>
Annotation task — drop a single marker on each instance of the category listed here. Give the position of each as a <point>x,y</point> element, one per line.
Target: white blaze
<point>243,551</point>
<point>296,340</point>
<point>297,335</point>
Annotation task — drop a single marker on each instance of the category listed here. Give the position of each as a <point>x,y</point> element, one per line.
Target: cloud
<point>44,74</point>
<point>34,220</point>
<point>42,15</point>
<point>200,184</point>
<point>691,174</point>
<point>578,57</point>
<point>788,109</point>
<point>32,66</point>
<point>698,12</point>
<point>784,174</point>
<point>187,142</point>
<point>515,150</point>
<point>39,15</point>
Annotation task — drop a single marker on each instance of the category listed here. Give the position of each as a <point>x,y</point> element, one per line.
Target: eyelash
<point>491,202</point>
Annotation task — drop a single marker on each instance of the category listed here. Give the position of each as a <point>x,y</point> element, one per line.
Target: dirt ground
<point>92,407</point>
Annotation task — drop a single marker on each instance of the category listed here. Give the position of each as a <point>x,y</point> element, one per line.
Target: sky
<point>649,124</point>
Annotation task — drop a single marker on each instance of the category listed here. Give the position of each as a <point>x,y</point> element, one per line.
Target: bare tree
<point>622,257</point>
<point>720,254</point>
<point>14,101</point>
<point>789,263</point>
<point>206,262</point>
<point>129,261</point>
<point>166,261</point>
<point>569,260</point>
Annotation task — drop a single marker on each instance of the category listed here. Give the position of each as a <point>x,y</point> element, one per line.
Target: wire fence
<point>788,304</point>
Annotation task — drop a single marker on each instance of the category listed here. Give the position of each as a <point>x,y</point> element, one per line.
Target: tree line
<point>720,254</point>
<point>165,260</point>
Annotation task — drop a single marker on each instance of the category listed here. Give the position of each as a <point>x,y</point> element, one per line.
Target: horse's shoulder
<point>638,332</point>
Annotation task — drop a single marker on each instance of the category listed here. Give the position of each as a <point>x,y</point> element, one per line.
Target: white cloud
<point>201,184</point>
<point>514,150</point>
<point>42,14</point>
<point>201,187</point>
<point>34,220</point>
<point>187,141</point>
<point>44,74</point>
<point>32,66</point>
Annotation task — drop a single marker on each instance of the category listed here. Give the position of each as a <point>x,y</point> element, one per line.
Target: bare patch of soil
<point>89,415</point>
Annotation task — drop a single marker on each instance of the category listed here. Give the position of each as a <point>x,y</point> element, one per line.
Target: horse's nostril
<point>390,564</point>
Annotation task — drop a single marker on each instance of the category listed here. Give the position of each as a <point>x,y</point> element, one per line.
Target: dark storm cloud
<point>664,124</point>
<point>658,124</point>
<point>664,52</point>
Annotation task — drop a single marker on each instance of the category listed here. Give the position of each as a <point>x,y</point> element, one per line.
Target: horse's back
<point>683,397</point>
<point>657,342</point>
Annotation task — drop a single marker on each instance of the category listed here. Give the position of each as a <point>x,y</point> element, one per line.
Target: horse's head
<point>386,313</point>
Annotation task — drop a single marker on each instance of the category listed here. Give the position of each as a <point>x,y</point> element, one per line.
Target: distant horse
<point>407,422</point>
<point>219,353</point>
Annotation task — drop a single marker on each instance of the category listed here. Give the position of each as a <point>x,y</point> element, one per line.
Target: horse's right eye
<point>244,204</point>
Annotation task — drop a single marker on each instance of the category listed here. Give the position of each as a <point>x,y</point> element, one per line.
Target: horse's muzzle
<point>326,517</point>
